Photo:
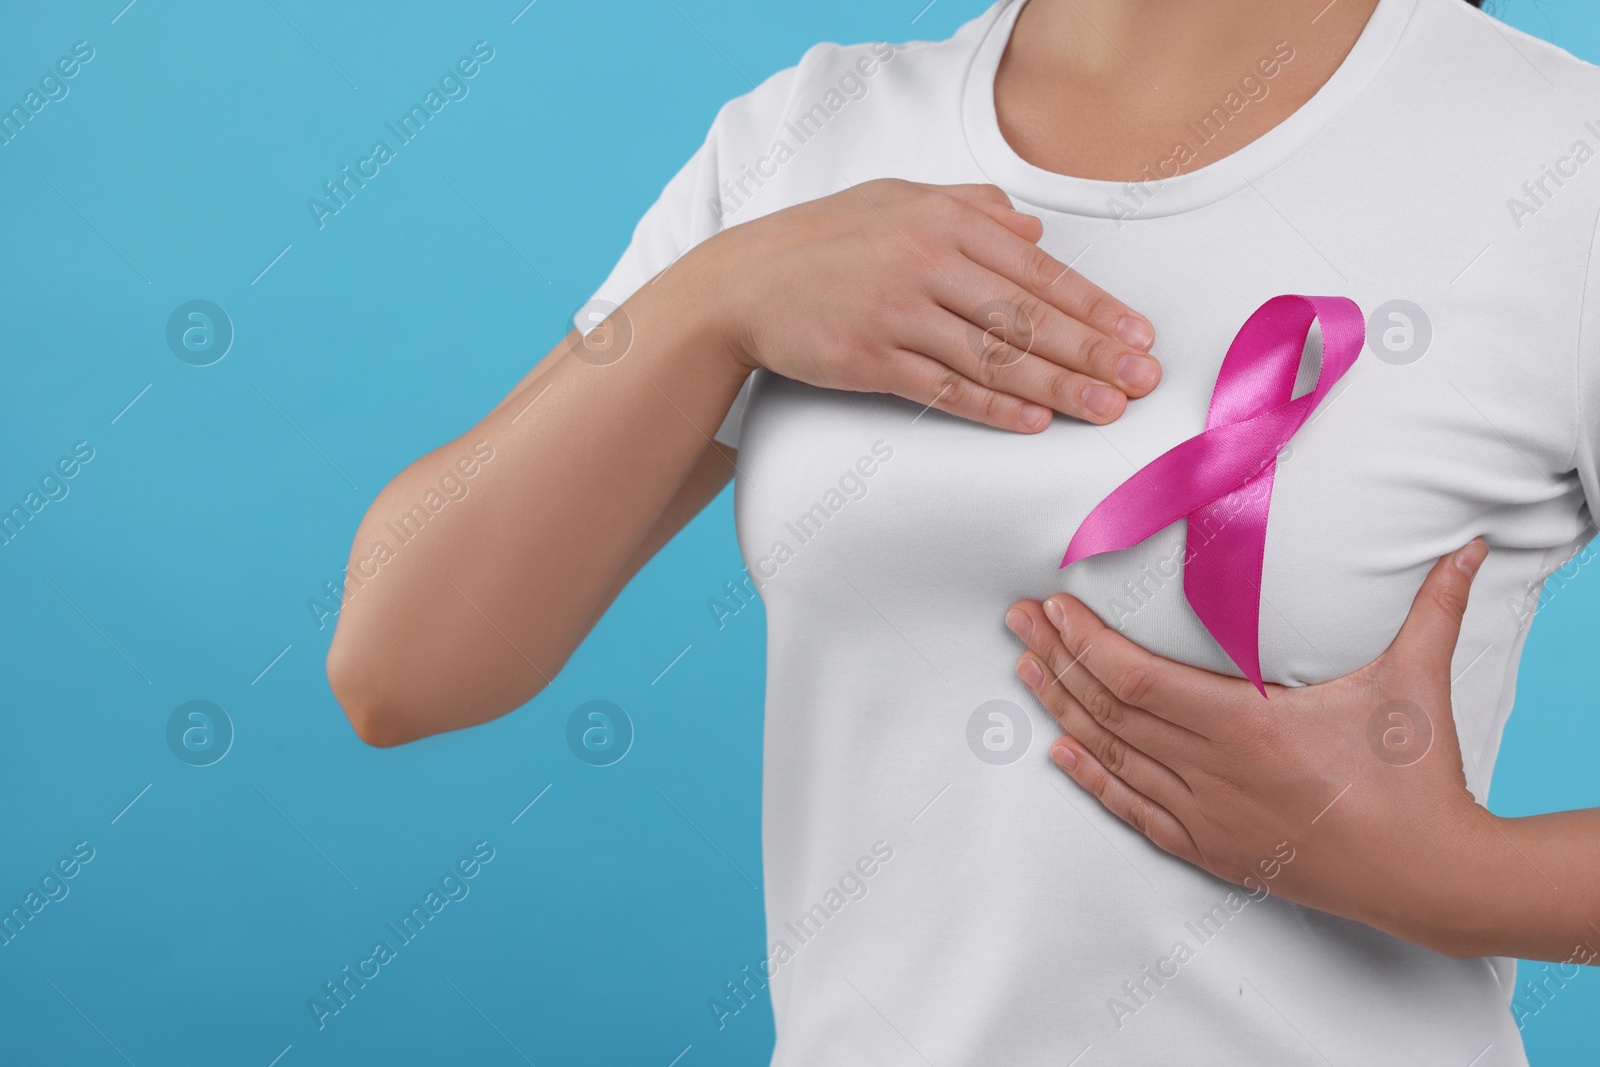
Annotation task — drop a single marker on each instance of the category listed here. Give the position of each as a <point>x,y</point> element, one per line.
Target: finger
<point>974,193</point>
<point>1118,669</point>
<point>992,201</point>
<point>998,307</point>
<point>1427,639</point>
<point>927,381</point>
<point>1116,753</point>
<point>1049,279</point>
<point>1122,800</point>
<point>989,358</point>
<point>1028,227</point>
<point>1165,743</point>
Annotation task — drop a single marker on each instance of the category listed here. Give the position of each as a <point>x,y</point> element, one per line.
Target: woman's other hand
<point>1348,796</point>
<point>938,294</point>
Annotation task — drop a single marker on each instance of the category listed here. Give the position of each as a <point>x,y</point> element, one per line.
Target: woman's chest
<point>933,525</point>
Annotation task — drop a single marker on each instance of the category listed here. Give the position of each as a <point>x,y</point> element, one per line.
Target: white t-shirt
<point>1448,164</point>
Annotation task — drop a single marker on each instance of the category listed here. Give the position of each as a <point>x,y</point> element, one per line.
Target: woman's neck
<point>1101,88</point>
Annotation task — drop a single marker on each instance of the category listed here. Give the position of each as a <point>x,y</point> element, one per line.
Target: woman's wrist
<point>702,288</point>
<point>1491,888</point>
<point>681,319</point>
<point>1454,899</point>
<point>678,331</point>
<point>1433,885</point>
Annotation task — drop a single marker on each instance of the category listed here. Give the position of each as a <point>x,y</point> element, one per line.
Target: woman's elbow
<point>394,699</point>
<point>378,717</point>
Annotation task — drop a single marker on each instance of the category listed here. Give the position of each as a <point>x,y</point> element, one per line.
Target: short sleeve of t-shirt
<point>692,207</point>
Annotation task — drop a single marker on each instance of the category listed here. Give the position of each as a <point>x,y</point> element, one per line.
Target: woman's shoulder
<point>1485,55</point>
<point>831,78</point>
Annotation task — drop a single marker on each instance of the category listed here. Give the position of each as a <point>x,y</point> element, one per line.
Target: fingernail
<point>1138,372</point>
<point>1019,623</point>
<point>1033,416</point>
<point>1065,758</point>
<point>1101,400</point>
<point>1135,332</point>
<point>1053,612</point>
<point>1468,558</point>
<point>1029,672</point>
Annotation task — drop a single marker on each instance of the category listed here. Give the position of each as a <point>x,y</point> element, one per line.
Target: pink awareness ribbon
<point>1230,464</point>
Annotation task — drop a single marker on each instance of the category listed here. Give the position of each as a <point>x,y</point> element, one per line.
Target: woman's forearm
<point>1530,889</point>
<point>462,603</point>
<point>461,607</point>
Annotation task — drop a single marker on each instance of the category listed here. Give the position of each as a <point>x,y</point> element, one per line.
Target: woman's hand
<point>938,294</point>
<point>1349,796</point>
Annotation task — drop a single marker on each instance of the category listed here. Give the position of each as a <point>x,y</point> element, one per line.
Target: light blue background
<point>216,505</point>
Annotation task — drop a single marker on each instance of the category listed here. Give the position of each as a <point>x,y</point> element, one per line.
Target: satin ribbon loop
<point>1225,472</point>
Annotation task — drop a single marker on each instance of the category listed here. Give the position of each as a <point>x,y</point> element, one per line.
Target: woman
<point>890,238</point>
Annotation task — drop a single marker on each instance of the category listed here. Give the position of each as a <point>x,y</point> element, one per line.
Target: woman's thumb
<point>1428,636</point>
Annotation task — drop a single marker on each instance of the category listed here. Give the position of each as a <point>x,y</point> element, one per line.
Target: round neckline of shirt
<point>1186,191</point>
